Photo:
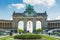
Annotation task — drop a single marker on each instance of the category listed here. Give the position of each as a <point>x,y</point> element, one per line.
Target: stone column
<point>57,24</point>
<point>34,25</point>
<point>15,25</point>
<point>25,25</point>
<point>44,24</point>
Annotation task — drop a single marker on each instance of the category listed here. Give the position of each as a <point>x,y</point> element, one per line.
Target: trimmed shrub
<point>38,30</point>
<point>28,36</point>
<point>20,31</point>
<point>56,33</point>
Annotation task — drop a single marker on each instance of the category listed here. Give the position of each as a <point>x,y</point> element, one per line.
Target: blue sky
<point>7,7</point>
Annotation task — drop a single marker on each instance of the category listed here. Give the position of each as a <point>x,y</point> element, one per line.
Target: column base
<point>34,31</point>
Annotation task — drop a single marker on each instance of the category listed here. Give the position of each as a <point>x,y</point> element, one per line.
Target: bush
<point>27,36</point>
<point>39,30</point>
<point>20,30</point>
<point>56,33</point>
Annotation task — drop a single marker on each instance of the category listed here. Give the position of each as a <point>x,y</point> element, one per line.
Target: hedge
<point>27,36</point>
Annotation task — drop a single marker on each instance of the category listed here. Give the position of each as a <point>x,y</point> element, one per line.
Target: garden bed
<point>42,37</point>
<point>27,37</point>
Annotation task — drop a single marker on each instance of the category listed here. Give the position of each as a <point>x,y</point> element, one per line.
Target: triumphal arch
<point>30,14</point>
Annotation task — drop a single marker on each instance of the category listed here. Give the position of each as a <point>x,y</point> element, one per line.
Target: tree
<point>56,33</point>
<point>39,30</point>
<point>20,31</point>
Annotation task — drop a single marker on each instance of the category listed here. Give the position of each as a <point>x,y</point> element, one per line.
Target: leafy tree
<point>38,30</point>
<point>56,33</point>
<point>20,31</point>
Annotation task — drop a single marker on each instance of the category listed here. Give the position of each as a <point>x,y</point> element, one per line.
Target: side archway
<point>38,24</point>
<point>21,25</point>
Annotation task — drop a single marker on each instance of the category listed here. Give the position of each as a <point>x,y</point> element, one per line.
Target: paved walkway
<point>51,35</point>
<point>51,31</point>
<point>7,35</point>
<point>4,36</point>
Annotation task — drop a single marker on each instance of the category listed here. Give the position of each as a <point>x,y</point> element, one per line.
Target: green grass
<point>7,38</point>
<point>43,37</point>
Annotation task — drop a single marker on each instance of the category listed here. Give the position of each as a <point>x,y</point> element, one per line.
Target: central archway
<point>30,26</point>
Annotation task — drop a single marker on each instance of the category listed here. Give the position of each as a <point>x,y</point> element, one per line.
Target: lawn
<point>7,38</point>
<point>43,37</point>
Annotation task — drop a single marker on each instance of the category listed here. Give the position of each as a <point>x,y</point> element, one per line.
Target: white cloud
<point>58,18</point>
<point>48,19</point>
<point>11,18</point>
<point>48,3</point>
<point>18,6</point>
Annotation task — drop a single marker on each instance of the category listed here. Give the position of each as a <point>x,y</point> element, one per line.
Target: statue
<point>29,10</point>
<point>29,6</point>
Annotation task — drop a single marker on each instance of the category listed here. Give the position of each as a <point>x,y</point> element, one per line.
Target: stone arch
<point>30,14</point>
<point>38,24</point>
<point>21,24</point>
<point>29,26</point>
